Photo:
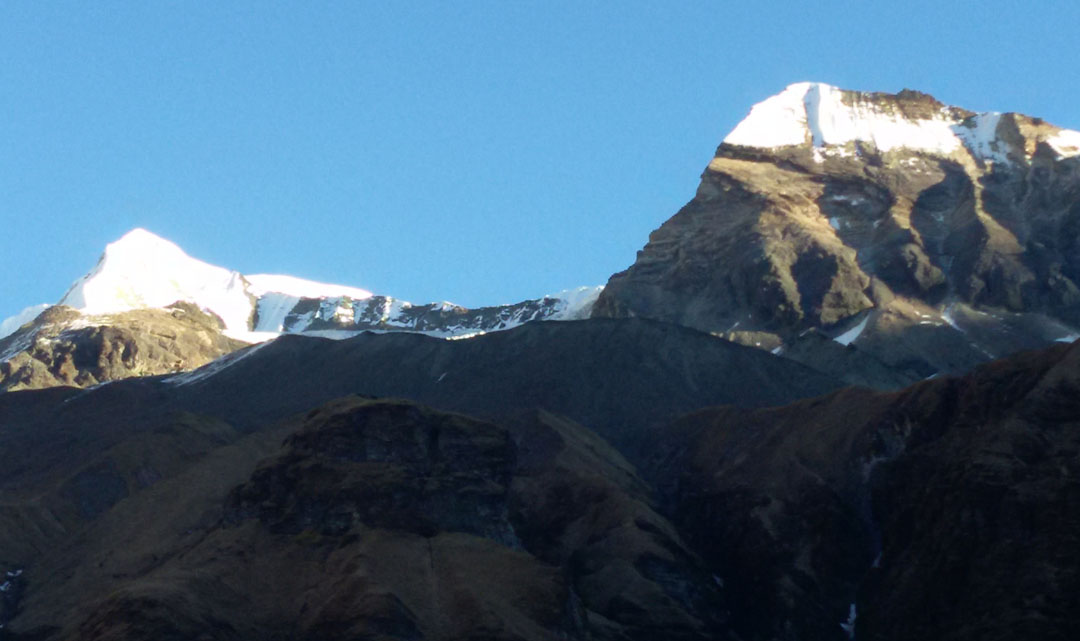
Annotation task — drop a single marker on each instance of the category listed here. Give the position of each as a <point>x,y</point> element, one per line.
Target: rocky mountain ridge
<point>928,238</point>
<point>947,510</point>
<point>142,277</point>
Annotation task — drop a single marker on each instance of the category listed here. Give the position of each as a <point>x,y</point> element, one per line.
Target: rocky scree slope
<point>929,237</point>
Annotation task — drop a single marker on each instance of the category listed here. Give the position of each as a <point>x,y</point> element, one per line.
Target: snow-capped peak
<point>142,270</point>
<point>141,242</point>
<point>820,115</point>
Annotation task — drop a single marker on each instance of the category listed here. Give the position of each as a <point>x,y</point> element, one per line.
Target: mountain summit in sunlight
<point>884,237</point>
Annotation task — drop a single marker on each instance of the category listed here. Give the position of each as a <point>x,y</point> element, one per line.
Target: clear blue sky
<point>480,152</point>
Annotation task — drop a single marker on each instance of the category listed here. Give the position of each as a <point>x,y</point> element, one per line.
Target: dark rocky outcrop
<point>619,377</point>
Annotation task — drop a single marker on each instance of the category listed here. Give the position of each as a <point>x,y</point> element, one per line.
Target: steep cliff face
<point>944,237</point>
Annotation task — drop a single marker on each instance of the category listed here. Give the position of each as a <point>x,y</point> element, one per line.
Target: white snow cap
<point>142,270</point>
<point>819,114</point>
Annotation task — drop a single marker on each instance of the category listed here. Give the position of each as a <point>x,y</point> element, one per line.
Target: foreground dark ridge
<point>618,376</point>
<point>165,450</point>
<point>205,506</point>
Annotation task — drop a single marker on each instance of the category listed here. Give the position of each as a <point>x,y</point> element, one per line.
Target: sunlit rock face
<point>63,347</point>
<point>944,237</point>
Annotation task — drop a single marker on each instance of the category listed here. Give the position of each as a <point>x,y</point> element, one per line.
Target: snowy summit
<point>822,116</point>
<point>143,270</point>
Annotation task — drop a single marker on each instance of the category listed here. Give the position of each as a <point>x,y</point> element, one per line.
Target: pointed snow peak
<point>142,269</point>
<point>141,240</point>
<point>141,249</point>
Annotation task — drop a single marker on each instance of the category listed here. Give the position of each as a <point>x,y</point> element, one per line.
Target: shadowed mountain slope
<point>618,377</point>
<point>374,519</point>
<point>204,505</point>
<point>950,510</point>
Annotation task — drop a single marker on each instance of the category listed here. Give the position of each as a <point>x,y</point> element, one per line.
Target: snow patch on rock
<point>575,304</point>
<point>979,135</point>
<point>848,337</point>
<point>262,284</point>
<point>1066,143</point>
<point>776,122</point>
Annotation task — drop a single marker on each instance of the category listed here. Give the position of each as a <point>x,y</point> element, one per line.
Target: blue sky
<point>480,152</point>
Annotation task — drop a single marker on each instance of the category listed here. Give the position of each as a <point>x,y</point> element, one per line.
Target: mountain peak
<point>142,244</point>
<point>142,269</point>
<point>822,116</point>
